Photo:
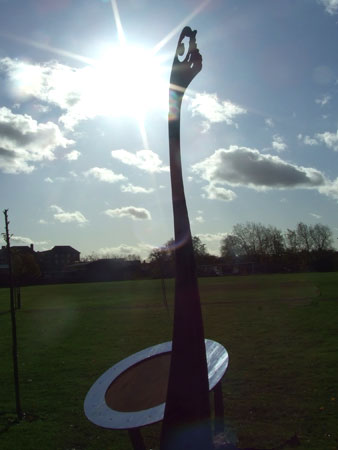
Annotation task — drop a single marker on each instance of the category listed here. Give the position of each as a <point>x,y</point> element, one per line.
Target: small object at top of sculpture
<point>183,72</point>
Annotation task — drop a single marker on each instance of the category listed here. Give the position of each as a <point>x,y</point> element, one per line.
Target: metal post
<point>136,439</point>
<point>219,408</point>
<point>18,297</point>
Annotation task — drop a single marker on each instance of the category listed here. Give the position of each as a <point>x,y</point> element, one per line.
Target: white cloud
<point>41,108</point>
<point>211,237</point>
<point>140,249</point>
<point>24,141</point>
<point>214,110</point>
<point>331,6</point>
<point>330,189</point>
<point>143,159</point>
<point>52,83</point>
<point>323,100</point>
<point>329,139</point>
<point>278,143</point>
<point>212,241</point>
<point>66,217</point>
<point>73,155</point>
<point>56,179</point>
<point>310,141</point>
<point>307,140</point>
<point>214,192</point>
<point>269,122</point>
<point>316,216</point>
<point>129,211</point>
<point>105,88</point>
<point>26,241</point>
<point>199,219</point>
<point>135,189</point>
<point>242,166</point>
<point>103,174</point>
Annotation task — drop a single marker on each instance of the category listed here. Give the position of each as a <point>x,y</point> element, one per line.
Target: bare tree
<point>321,237</point>
<point>274,241</point>
<point>256,240</point>
<point>309,238</point>
<point>291,241</point>
<point>304,239</point>
<point>231,247</point>
<point>162,260</point>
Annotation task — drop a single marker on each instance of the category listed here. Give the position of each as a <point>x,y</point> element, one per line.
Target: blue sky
<point>83,119</point>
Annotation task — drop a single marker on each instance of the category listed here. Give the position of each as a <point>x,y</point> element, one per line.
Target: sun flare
<point>128,80</point>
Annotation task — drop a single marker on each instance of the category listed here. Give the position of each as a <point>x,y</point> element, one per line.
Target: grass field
<point>280,332</point>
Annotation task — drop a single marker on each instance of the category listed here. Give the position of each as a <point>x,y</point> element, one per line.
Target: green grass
<point>280,332</point>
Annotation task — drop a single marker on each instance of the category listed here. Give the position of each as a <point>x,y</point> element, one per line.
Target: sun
<point>127,81</point>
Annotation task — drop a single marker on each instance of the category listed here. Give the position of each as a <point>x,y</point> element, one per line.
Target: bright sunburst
<point>128,80</point>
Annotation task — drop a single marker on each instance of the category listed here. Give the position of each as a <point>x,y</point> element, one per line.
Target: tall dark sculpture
<point>186,423</point>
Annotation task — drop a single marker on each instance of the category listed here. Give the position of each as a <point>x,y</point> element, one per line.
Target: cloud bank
<point>24,141</point>
<point>242,166</point>
<point>101,88</point>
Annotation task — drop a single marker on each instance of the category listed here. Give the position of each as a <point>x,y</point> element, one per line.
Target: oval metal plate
<point>98,412</point>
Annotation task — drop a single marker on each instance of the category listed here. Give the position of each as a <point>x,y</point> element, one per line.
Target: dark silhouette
<point>258,248</point>
<point>13,320</point>
<point>186,423</point>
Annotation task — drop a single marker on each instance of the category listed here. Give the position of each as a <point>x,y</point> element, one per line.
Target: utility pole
<point>14,339</point>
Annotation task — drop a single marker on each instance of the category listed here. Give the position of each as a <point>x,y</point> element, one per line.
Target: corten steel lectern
<point>171,380</point>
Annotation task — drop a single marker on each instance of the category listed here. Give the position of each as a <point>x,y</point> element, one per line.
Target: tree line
<point>248,248</point>
<point>307,247</point>
<point>264,247</point>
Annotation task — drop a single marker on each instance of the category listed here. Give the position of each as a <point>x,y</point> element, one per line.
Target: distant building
<point>24,264</point>
<point>16,249</point>
<point>4,273</point>
<point>3,256</point>
<point>109,269</point>
<point>56,259</point>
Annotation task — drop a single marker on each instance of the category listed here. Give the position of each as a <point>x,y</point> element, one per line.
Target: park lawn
<point>280,332</point>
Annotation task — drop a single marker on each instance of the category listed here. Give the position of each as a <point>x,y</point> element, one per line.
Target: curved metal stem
<point>186,422</point>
